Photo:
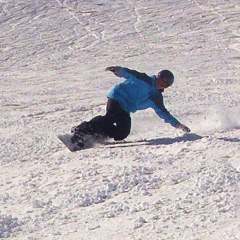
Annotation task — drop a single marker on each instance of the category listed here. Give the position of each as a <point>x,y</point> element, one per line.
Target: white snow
<point>158,183</point>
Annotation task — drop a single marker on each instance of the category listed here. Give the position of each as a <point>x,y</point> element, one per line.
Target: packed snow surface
<point>158,183</point>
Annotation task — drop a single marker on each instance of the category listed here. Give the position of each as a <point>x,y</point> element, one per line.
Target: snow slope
<point>158,183</point>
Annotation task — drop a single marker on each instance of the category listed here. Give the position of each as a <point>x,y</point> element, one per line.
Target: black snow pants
<point>116,123</point>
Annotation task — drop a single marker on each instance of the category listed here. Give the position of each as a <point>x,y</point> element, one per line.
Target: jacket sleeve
<point>161,111</point>
<point>134,75</point>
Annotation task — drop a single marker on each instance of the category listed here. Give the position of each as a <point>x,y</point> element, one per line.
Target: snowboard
<point>89,142</point>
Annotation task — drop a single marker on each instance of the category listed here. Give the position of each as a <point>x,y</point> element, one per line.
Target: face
<point>160,83</point>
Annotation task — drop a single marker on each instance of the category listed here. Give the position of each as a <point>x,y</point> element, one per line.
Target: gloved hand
<point>183,128</point>
<point>115,69</point>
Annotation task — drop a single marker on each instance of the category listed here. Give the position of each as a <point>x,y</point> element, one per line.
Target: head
<point>164,79</point>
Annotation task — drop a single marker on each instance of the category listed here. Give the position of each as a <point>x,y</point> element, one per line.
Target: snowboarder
<point>139,91</point>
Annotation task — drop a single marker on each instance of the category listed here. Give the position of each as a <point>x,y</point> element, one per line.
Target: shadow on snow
<point>159,141</point>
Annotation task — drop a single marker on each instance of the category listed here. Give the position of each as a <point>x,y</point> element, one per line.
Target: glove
<point>115,69</point>
<point>183,128</point>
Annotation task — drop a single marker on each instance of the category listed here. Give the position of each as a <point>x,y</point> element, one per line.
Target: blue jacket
<point>138,92</point>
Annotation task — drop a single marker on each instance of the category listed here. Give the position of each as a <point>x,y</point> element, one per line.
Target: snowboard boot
<point>82,129</point>
<point>78,141</point>
<point>86,131</point>
<point>78,133</point>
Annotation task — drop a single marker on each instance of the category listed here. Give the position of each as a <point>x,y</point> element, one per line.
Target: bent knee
<point>120,135</point>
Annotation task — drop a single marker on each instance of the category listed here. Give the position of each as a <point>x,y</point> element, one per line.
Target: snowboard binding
<point>80,132</point>
<point>85,133</point>
<point>79,141</point>
<point>82,137</point>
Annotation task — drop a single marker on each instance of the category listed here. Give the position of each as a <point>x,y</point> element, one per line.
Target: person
<point>139,91</point>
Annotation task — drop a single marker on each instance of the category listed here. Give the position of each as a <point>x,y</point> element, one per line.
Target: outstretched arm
<point>168,118</point>
<point>163,113</point>
<point>129,74</point>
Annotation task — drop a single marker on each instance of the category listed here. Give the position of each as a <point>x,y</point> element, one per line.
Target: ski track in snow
<point>158,183</point>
